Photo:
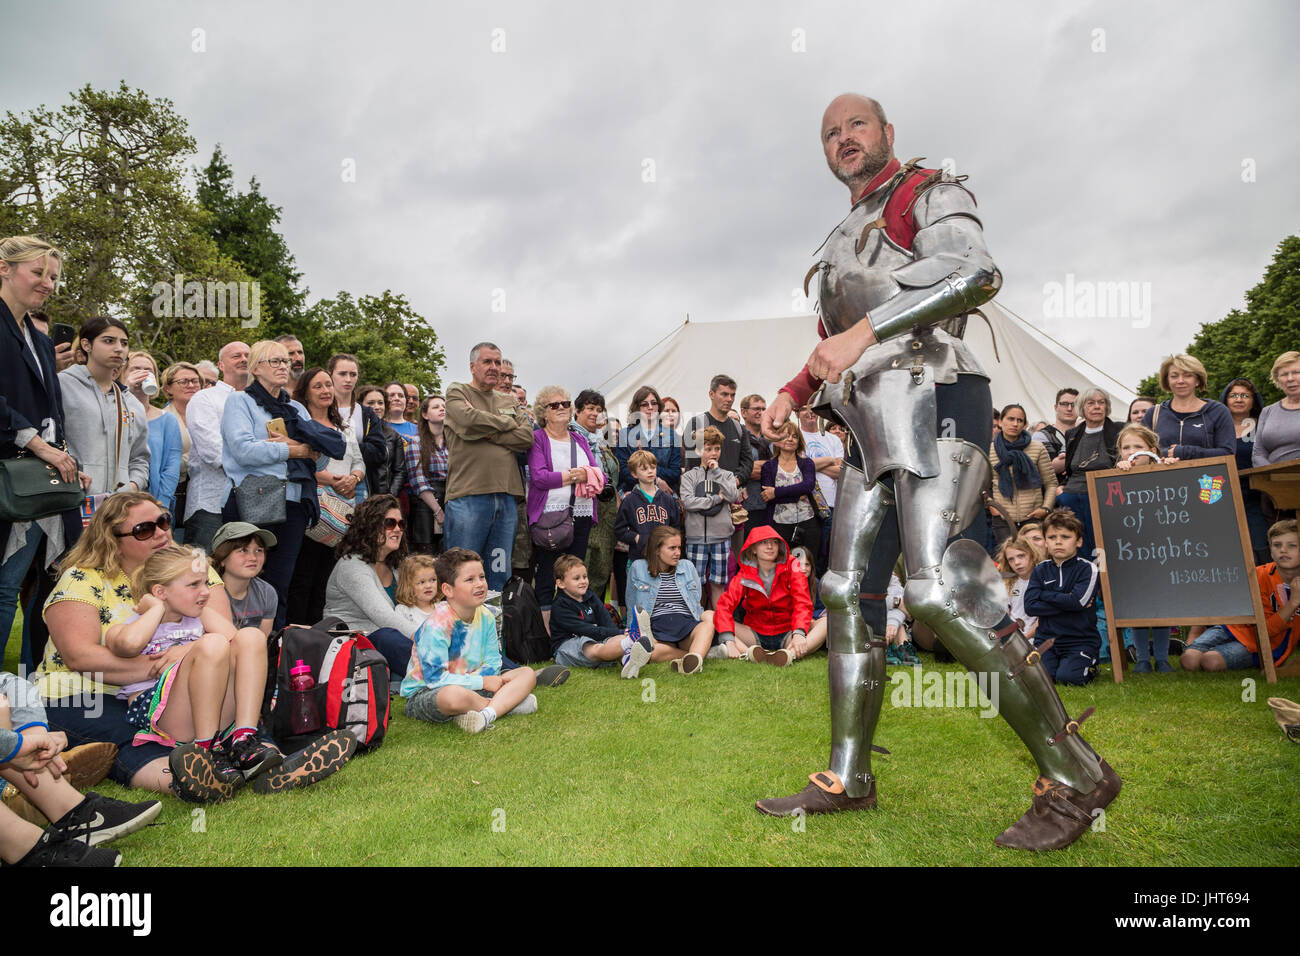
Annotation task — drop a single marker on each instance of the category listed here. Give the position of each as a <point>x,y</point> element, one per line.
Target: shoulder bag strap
<point>117,458</point>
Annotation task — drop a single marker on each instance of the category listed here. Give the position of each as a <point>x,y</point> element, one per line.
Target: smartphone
<point>276,427</point>
<point>62,333</point>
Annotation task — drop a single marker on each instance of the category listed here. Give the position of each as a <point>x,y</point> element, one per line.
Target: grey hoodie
<point>695,502</point>
<point>92,432</point>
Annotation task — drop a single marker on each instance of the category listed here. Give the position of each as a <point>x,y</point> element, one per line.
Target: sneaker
<point>1164,667</point>
<point>526,706</point>
<point>1142,667</point>
<point>252,756</point>
<point>1177,646</point>
<point>780,657</point>
<point>1132,654</point>
<point>553,675</point>
<point>56,848</point>
<point>224,764</point>
<point>907,653</point>
<point>321,758</point>
<point>893,656</point>
<point>98,819</point>
<point>717,652</point>
<point>195,778</point>
<point>690,664</point>
<point>637,658</point>
<point>472,722</point>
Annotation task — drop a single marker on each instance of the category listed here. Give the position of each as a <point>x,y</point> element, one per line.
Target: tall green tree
<point>390,339</point>
<point>1243,344</point>
<point>103,178</point>
<point>243,227</point>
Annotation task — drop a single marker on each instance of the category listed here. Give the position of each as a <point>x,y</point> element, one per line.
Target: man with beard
<point>897,278</point>
<point>297,357</point>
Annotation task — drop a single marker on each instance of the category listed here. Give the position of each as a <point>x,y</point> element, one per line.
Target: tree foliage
<point>1244,344</point>
<point>242,226</point>
<point>103,179</point>
<point>390,339</point>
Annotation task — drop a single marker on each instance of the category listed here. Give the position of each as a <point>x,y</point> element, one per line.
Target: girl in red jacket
<point>773,592</point>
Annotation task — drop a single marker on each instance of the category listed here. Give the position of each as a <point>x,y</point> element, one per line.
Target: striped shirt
<point>669,599</point>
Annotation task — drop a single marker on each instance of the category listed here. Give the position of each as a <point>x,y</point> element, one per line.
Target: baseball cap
<point>237,530</point>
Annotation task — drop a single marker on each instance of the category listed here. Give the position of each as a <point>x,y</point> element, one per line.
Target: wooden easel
<point>1281,482</point>
<point>1118,659</point>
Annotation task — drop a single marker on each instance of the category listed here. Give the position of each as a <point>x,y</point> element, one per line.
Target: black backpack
<point>351,684</point>
<point>523,631</point>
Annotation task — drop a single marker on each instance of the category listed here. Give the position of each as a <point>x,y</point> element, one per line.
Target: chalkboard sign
<point>1173,546</point>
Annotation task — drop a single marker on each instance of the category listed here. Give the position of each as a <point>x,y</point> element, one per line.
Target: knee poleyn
<point>839,590</point>
<point>928,600</point>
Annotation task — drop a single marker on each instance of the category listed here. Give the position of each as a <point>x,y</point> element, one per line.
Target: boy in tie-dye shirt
<point>455,670</point>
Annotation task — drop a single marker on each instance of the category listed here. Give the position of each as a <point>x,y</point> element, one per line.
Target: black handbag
<point>261,500</point>
<point>554,529</point>
<point>31,488</point>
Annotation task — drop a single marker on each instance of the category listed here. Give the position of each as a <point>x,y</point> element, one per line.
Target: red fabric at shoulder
<point>899,225</point>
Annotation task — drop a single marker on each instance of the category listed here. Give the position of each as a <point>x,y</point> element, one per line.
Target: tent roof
<point>764,354</point>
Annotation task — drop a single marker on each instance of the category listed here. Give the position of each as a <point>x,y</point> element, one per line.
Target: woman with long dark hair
<point>426,476</point>
<point>336,477</point>
<point>362,587</point>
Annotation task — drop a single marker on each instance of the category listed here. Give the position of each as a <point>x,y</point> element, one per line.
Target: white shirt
<point>824,446</point>
<point>207,491</point>
<point>557,499</point>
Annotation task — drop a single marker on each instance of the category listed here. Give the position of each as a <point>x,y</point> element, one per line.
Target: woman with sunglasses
<point>362,587</point>
<point>646,431</point>
<point>560,464</point>
<point>250,449</point>
<point>31,411</point>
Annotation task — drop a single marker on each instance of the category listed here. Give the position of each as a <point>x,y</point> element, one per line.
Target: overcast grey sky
<point>599,170</point>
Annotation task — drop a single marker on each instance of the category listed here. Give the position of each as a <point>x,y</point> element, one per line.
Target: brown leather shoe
<point>1059,814</point>
<point>825,794</point>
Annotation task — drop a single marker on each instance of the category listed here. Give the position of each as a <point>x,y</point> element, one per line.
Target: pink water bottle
<point>304,716</point>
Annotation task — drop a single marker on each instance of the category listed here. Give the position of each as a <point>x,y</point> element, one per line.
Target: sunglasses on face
<point>556,406</point>
<point>391,523</point>
<point>146,529</point>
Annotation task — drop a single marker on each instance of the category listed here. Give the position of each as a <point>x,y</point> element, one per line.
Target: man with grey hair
<point>207,488</point>
<point>485,430</point>
<point>297,357</point>
<point>208,373</point>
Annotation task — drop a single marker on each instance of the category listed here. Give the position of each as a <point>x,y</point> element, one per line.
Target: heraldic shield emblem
<point>1211,488</point>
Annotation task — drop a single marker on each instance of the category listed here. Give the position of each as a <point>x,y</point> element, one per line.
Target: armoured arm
<point>953,272</point>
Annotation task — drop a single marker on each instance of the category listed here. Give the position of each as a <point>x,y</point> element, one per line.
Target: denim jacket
<point>642,588</point>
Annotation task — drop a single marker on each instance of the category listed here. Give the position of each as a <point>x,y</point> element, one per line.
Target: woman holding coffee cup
<point>140,376</point>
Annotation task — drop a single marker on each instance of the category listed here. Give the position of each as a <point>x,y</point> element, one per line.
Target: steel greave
<point>856,670</point>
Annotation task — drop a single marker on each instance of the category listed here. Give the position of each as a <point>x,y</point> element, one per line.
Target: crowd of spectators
<point>325,484</point>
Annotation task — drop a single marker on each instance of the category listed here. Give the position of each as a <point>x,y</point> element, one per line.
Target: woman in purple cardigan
<point>557,468</point>
<point>788,481</point>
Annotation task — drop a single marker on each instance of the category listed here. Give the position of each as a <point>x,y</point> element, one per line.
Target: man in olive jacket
<point>484,430</point>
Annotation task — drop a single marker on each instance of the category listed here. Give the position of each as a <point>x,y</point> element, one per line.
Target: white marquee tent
<point>764,354</point>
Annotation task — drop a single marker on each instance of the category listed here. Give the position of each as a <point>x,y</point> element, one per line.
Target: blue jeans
<point>12,573</point>
<point>396,648</point>
<point>484,524</point>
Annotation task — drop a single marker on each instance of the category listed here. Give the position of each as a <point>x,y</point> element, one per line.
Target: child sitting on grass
<point>1062,594</point>
<point>238,555</point>
<point>773,590</point>
<point>217,683</point>
<point>1139,448</point>
<point>1235,647</point>
<point>645,507</point>
<point>582,632</point>
<point>455,670</point>
<point>1017,559</point>
<point>417,589</point>
<point>665,590</point>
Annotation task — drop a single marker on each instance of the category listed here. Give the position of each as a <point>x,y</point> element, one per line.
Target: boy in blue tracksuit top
<point>1062,593</point>
<point>582,632</point>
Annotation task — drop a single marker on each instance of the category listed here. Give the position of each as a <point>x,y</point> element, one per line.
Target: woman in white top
<point>558,465</point>
<point>338,476</point>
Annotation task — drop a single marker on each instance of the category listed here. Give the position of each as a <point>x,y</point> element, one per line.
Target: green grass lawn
<point>665,770</point>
